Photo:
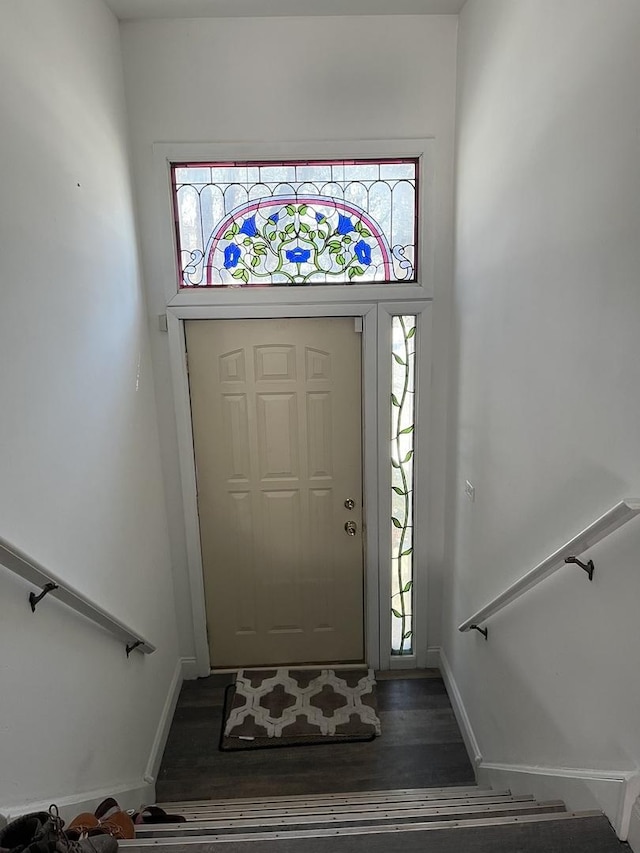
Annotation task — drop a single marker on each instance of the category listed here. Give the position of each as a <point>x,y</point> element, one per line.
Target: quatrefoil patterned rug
<point>288,707</point>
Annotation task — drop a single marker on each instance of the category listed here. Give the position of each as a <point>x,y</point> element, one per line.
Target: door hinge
<point>162,322</point>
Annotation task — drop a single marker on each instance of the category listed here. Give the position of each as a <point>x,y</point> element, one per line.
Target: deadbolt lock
<point>351,528</point>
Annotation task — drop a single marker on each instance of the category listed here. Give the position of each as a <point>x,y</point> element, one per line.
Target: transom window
<point>288,223</point>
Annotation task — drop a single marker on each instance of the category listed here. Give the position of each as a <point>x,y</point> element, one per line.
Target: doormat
<point>288,707</point>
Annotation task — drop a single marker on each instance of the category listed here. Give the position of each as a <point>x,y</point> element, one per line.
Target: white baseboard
<point>433,657</point>
<point>611,791</point>
<point>162,732</point>
<point>633,838</point>
<point>581,788</point>
<point>190,669</point>
<point>466,729</point>
<point>133,794</point>
<point>129,796</point>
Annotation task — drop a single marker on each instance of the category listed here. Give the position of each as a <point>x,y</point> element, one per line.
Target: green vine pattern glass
<point>402,477</point>
<point>295,243</point>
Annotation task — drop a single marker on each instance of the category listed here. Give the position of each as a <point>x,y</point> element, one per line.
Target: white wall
<point>81,486</point>
<point>548,406</point>
<point>214,80</point>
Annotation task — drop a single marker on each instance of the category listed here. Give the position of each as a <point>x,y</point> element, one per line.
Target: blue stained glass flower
<point>345,226</point>
<point>298,255</point>
<point>320,217</point>
<point>363,252</point>
<point>275,216</point>
<point>249,226</point>
<point>231,256</point>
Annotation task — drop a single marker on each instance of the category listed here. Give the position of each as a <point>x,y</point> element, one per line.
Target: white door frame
<point>375,303</point>
<point>376,379</point>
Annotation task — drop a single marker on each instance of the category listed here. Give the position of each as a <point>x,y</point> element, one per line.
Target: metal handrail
<point>614,518</point>
<point>26,567</point>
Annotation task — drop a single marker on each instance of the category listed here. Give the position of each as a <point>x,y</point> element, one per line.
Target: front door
<point>276,409</point>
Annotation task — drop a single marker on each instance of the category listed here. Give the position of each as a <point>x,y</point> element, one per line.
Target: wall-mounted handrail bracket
<point>589,568</point>
<point>131,646</point>
<point>35,599</point>
<point>45,581</point>
<point>611,520</point>
<point>483,631</point>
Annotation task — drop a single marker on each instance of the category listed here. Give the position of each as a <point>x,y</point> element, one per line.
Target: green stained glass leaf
<point>346,240</point>
<point>407,552</point>
<point>358,226</point>
<point>235,228</point>
<point>396,522</point>
<point>272,235</point>
<point>340,259</point>
<point>246,242</point>
<point>322,235</point>
<point>282,235</point>
<point>398,359</point>
<point>398,490</point>
<point>407,457</point>
<point>290,209</point>
<point>411,332</point>
<point>228,234</point>
<point>406,430</point>
<point>407,586</point>
<point>407,634</point>
<point>290,228</point>
<point>335,244</point>
<point>302,209</point>
<point>304,228</point>
<point>396,613</point>
<point>238,273</point>
<point>365,232</point>
<point>394,401</point>
<point>354,271</point>
<point>271,221</point>
<point>255,261</point>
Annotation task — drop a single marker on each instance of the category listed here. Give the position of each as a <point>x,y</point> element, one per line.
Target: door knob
<point>351,528</point>
<point>349,503</point>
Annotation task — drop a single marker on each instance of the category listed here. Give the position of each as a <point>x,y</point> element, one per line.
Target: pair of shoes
<point>154,814</point>
<point>31,832</point>
<point>42,832</point>
<point>108,819</point>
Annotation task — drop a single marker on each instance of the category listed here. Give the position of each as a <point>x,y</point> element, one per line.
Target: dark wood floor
<point>420,746</point>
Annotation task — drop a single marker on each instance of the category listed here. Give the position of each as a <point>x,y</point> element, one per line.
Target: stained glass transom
<point>296,223</point>
<point>403,378</point>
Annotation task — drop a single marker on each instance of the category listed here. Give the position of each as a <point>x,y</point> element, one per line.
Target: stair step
<point>347,832</point>
<point>402,794</point>
<point>347,819</point>
<point>269,810</point>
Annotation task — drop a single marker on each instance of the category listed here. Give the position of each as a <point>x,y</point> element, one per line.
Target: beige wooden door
<point>276,408</point>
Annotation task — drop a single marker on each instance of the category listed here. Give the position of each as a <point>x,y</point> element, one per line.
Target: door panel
<point>276,408</point>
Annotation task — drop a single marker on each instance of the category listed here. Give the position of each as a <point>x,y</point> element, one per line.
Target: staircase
<point>438,820</point>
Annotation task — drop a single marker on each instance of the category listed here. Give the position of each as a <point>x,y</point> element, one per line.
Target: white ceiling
<point>137,9</point>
